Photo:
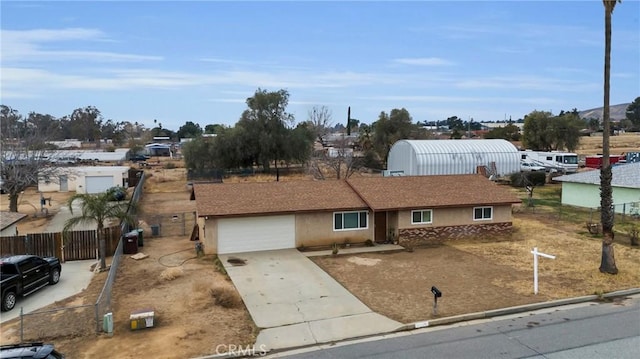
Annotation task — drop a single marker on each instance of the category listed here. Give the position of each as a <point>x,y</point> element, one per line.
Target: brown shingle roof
<point>257,198</point>
<point>9,218</point>
<point>388,193</point>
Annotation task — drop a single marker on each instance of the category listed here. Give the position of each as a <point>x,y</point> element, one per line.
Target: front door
<point>64,184</point>
<point>380,223</point>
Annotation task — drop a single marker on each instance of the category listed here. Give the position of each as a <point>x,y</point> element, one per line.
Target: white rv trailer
<point>567,161</point>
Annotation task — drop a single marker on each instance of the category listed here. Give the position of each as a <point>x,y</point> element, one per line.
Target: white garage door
<point>99,184</point>
<point>256,234</point>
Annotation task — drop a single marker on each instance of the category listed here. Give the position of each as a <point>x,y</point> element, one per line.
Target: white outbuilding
<point>451,157</point>
<point>89,179</point>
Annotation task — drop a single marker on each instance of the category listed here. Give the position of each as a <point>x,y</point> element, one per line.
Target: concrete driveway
<point>75,276</point>
<point>297,303</point>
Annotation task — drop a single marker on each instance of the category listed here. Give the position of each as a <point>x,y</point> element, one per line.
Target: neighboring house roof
<point>389,193</point>
<point>259,198</point>
<point>9,218</point>
<point>627,175</point>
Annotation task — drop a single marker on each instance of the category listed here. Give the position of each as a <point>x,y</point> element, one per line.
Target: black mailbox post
<point>436,294</point>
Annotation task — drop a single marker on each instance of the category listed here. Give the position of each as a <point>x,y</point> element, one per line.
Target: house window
<point>482,213</point>
<point>421,217</point>
<point>349,220</point>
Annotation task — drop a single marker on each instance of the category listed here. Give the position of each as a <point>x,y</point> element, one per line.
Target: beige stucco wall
<point>455,217</point>
<point>315,229</point>
<point>208,229</point>
<point>10,231</point>
<point>53,183</point>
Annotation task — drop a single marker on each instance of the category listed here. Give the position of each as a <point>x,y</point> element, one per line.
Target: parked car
<point>21,275</point>
<point>139,158</point>
<point>64,160</point>
<point>29,350</point>
<point>526,166</point>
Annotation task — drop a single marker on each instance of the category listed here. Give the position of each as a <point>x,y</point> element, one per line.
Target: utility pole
<point>349,121</point>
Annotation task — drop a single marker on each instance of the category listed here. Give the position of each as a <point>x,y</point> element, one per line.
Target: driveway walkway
<point>74,277</point>
<point>296,303</point>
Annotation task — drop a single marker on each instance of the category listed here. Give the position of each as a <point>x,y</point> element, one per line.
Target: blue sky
<point>199,61</point>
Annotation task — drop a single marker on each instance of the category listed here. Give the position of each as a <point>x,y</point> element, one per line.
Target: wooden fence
<point>79,244</point>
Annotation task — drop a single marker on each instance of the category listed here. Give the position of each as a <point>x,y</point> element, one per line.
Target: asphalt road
<point>588,330</point>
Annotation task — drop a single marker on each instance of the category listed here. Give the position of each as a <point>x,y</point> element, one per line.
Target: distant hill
<point>616,112</point>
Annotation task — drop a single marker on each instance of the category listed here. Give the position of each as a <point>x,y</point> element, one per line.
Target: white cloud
<point>28,46</point>
<point>623,75</point>
<point>424,61</point>
<point>460,99</point>
<point>51,35</point>
<point>227,100</point>
<point>526,83</point>
<point>224,61</point>
<point>32,80</point>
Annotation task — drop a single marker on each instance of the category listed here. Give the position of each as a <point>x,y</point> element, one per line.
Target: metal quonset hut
<point>448,157</point>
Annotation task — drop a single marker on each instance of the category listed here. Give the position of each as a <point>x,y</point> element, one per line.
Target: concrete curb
<point>463,318</point>
<point>515,310</point>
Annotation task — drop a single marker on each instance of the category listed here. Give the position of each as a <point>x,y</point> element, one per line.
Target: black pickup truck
<point>22,275</point>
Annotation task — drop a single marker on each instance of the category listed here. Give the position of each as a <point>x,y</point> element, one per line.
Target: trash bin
<point>130,242</point>
<point>155,229</point>
<point>140,239</point>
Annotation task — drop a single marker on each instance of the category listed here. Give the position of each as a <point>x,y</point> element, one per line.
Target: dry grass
<point>172,273</point>
<point>226,297</point>
<point>165,180</point>
<point>577,260</point>
<point>626,142</point>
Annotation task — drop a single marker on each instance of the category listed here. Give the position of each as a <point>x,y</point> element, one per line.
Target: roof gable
<point>388,193</point>
<point>9,218</point>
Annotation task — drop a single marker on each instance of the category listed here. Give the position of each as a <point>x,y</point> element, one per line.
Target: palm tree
<point>608,261</point>
<point>96,209</point>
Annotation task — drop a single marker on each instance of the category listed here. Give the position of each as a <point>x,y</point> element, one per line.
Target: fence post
<point>21,325</point>
<point>28,244</point>
<point>96,311</point>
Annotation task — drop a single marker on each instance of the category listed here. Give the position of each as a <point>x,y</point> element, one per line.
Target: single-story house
<point>89,179</point>
<point>158,149</point>
<point>240,217</point>
<point>8,222</point>
<point>582,189</point>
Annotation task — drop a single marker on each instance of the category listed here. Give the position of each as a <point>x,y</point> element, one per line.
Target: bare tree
<point>338,159</point>
<point>24,154</point>
<point>320,121</point>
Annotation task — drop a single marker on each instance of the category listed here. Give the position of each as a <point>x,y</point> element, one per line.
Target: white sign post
<point>535,266</point>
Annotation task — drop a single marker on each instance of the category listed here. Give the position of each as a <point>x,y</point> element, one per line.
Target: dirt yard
<point>478,275</point>
<point>473,276</point>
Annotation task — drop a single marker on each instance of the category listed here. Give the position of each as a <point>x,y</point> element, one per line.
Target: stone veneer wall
<point>434,235</point>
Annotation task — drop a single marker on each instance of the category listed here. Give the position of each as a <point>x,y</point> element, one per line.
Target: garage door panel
<point>98,184</point>
<point>237,235</point>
